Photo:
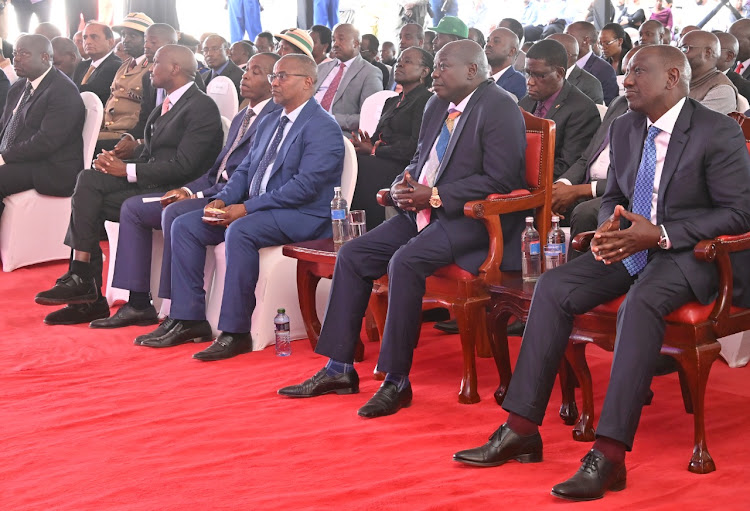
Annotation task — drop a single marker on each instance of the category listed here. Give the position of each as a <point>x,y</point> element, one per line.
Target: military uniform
<point>124,104</point>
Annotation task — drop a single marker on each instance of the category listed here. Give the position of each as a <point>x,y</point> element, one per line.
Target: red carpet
<point>90,421</point>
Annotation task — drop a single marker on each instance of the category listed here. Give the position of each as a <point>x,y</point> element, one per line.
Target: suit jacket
<point>603,72</point>
<point>576,119</point>
<point>742,85</point>
<point>385,71</point>
<point>746,73</point>
<point>486,154</point>
<point>207,182</point>
<point>361,81</point>
<point>100,80</point>
<point>579,172</point>
<point>306,169</point>
<point>587,83</point>
<point>399,124</point>
<point>703,190</point>
<point>232,71</point>
<point>180,143</point>
<point>514,82</point>
<point>48,138</point>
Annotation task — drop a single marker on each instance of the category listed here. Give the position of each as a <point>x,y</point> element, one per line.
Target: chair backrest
<point>602,110</point>
<point>372,108</point>
<point>225,124</point>
<point>222,90</point>
<point>540,164</point>
<point>91,125</point>
<point>742,103</point>
<point>349,174</point>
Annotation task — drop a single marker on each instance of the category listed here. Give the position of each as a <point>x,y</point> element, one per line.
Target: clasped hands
<point>409,195</point>
<point>612,244</point>
<point>226,214</point>
<point>107,163</point>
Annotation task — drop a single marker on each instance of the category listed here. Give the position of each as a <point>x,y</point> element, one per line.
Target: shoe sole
<point>340,392</point>
<point>142,322</point>
<point>186,341</point>
<point>60,301</point>
<point>616,487</point>
<point>524,458</point>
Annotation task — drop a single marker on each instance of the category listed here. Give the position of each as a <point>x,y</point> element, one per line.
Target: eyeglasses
<point>684,48</point>
<point>282,76</point>
<point>613,41</point>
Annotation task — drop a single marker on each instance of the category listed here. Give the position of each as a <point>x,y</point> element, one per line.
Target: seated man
<point>708,85</point>
<point>727,58</point>
<point>346,81</point>
<point>66,57</point>
<point>472,143</point>
<point>183,137</point>
<point>501,49</point>
<point>449,29</point>
<point>40,142</point>
<point>683,172</point>
<point>579,78</point>
<point>281,193</point>
<point>215,50</point>
<point>551,96</point>
<point>96,73</point>
<point>240,52</point>
<point>519,64</point>
<point>651,32</point>
<point>586,35</point>
<point>138,218</point>
<point>368,50</point>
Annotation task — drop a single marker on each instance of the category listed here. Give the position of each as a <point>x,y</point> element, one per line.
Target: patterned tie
<point>10,133</point>
<point>540,110</point>
<point>165,106</point>
<point>87,75</point>
<point>428,178</point>
<point>268,157</point>
<point>642,197</point>
<point>332,88</point>
<point>243,129</point>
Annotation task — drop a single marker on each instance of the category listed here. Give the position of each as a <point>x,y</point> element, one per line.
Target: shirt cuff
<point>187,190</point>
<point>564,181</point>
<point>666,235</point>
<point>593,189</point>
<point>128,135</point>
<point>130,169</point>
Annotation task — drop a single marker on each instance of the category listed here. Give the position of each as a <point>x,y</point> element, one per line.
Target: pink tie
<point>165,106</point>
<point>332,88</point>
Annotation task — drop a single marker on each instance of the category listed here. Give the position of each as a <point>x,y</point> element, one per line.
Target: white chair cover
<point>372,108</point>
<point>223,92</point>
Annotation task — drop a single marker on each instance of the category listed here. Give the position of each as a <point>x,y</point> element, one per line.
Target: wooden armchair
<point>464,294</point>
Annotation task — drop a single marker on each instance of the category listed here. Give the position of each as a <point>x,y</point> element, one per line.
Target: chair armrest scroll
<point>582,241</point>
<point>384,197</point>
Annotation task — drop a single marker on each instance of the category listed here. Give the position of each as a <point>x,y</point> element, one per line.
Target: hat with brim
<point>135,21</point>
<point>299,38</point>
<point>450,25</point>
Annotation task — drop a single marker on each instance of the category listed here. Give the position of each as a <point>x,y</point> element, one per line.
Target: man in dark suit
<point>368,49</point>
<point>579,78</point>
<point>66,56</point>
<point>472,142</point>
<point>139,218</point>
<point>683,172</point>
<point>183,137</point>
<point>501,49</point>
<point>727,58</point>
<point>41,146</point>
<point>741,30</point>
<point>96,73</point>
<point>215,50</point>
<point>586,35</point>
<point>279,194</point>
<point>550,96</point>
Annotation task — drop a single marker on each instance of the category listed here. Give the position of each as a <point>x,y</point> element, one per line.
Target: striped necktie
<point>241,133</point>
<point>268,157</point>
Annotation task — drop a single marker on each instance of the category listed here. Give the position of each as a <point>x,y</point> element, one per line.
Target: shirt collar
<point>139,60</point>
<point>292,116</point>
<point>583,60</point>
<point>35,83</point>
<point>97,63</point>
<point>667,121</point>
<point>462,105</point>
<point>260,106</point>
<point>570,70</point>
<point>745,65</point>
<point>550,101</point>
<point>500,73</point>
<point>217,72</point>
<point>176,94</point>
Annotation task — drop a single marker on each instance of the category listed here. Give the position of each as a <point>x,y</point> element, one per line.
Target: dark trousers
<point>14,178</point>
<point>575,288</point>
<point>24,10</point>
<point>137,222</point>
<point>585,217</point>
<point>409,258</point>
<point>75,8</point>
<point>97,197</point>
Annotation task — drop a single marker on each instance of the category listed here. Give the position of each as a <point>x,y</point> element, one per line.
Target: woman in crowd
<point>385,153</point>
<point>663,13</point>
<point>615,44</point>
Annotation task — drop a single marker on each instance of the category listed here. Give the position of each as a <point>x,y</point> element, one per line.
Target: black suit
<point>100,80</point>
<point>576,119</point>
<point>47,151</point>
<point>232,71</point>
<point>702,193</point>
<point>587,83</point>
<point>179,145</point>
<point>742,84</point>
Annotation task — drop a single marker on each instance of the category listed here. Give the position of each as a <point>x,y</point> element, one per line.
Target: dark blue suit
<point>702,193</point>
<point>514,82</point>
<point>295,207</point>
<point>137,220</point>
<point>486,154</point>
<point>605,73</point>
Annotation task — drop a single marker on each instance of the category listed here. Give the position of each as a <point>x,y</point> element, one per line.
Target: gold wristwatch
<point>435,201</point>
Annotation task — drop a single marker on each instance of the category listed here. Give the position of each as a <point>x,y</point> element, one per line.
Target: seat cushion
<point>692,313</point>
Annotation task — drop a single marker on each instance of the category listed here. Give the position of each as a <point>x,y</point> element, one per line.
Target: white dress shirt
<point>583,60</point>
<point>666,124</point>
<point>328,79</point>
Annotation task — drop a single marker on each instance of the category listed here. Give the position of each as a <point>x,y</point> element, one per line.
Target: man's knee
<point>585,216</point>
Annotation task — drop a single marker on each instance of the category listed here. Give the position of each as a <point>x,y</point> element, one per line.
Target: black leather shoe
<point>69,289</point>
<point>181,333</point>
<point>321,383</point>
<point>596,475</point>
<point>127,316</point>
<point>226,346</point>
<point>386,401</point>
<point>160,331</point>
<point>79,313</point>
<point>504,445</point>
<point>449,327</point>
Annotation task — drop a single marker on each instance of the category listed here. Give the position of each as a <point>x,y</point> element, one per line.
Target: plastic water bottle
<point>283,335</point>
<point>555,251</point>
<point>531,257</point>
<point>339,217</point>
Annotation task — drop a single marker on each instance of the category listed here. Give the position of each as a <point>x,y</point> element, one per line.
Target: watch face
<point>435,202</point>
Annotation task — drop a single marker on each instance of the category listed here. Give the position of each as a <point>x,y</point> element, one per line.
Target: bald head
<point>688,28</point>
<point>741,30</point>
<point>33,56</point>
<point>586,35</point>
<point>345,42</point>
<point>174,66</point>
<point>163,31</point>
<point>702,51</point>
<point>651,32</point>
<point>460,67</point>
<point>65,55</point>
<point>571,46</point>
<point>728,50</point>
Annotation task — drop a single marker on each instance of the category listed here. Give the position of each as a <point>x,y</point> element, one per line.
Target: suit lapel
<point>323,71</point>
<point>677,142</point>
<point>634,149</point>
<point>431,135</point>
<point>354,68</point>
<point>294,131</point>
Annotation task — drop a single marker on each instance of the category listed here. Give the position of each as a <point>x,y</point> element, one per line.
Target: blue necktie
<point>268,157</point>
<point>445,134</point>
<point>642,196</point>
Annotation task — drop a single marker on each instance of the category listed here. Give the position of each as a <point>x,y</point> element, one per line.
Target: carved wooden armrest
<point>384,197</point>
<point>582,242</point>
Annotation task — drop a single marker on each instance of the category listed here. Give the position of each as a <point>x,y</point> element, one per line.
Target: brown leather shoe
<point>596,475</point>
<point>504,445</point>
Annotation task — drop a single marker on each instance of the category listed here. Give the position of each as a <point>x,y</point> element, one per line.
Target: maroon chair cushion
<point>692,313</point>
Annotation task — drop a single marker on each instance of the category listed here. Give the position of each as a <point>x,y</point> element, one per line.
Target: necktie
<point>132,64</point>
<point>428,178</point>
<point>10,133</point>
<point>165,106</point>
<point>268,157</point>
<point>642,196</point>
<point>87,75</point>
<point>332,88</point>
<point>243,129</point>
<point>738,70</point>
<point>540,110</point>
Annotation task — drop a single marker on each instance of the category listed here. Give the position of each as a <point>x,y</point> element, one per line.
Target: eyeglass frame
<point>609,43</point>
<point>281,76</point>
<point>684,48</point>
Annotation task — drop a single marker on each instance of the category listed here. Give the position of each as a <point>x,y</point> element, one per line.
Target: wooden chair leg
<point>307,284</point>
<point>576,357</point>
<point>469,318</point>
<point>568,408</point>
<point>497,328</point>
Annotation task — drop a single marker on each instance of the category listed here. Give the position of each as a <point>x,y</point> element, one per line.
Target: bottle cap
<point>555,218</point>
<point>281,311</point>
<point>529,219</point>
<point>336,188</point>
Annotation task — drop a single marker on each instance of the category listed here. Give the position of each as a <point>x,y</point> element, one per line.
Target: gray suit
<point>588,84</point>
<point>361,81</point>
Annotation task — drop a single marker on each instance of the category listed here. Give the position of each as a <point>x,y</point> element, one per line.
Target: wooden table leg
<point>307,284</point>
